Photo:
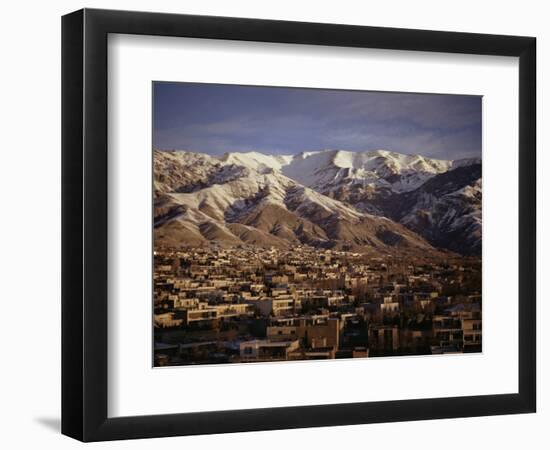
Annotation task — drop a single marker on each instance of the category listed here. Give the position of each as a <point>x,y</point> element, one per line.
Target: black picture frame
<point>84,224</point>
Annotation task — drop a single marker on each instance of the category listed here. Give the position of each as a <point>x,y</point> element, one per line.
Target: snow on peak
<point>328,169</point>
<point>256,160</point>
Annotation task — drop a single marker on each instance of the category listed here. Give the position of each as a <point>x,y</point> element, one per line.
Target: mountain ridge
<point>243,197</point>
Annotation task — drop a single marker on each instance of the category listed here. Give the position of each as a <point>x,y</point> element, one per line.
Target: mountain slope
<point>330,169</point>
<point>438,199</point>
<point>446,210</point>
<point>248,199</point>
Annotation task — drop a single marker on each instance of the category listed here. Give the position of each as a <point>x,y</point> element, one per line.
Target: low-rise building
<point>266,350</point>
<point>167,320</point>
<point>279,306</point>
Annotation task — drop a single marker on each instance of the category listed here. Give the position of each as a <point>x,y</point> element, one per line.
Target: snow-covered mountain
<point>331,169</point>
<point>446,210</point>
<point>233,200</point>
<point>330,198</point>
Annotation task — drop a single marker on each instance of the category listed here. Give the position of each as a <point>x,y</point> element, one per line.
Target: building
<point>471,331</point>
<point>167,320</point>
<point>383,338</point>
<point>447,331</point>
<point>266,350</point>
<point>279,306</point>
<point>389,306</point>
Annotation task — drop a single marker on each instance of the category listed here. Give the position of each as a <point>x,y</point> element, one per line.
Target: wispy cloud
<point>220,118</point>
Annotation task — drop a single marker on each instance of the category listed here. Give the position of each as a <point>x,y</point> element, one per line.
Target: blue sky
<point>215,118</point>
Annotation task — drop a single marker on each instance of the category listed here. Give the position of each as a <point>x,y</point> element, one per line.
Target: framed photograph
<point>273,225</point>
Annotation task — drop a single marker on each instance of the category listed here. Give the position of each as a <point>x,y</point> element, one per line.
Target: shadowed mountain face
<point>364,201</point>
<point>446,209</point>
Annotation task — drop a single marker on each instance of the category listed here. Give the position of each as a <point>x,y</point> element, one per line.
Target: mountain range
<point>375,201</point>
